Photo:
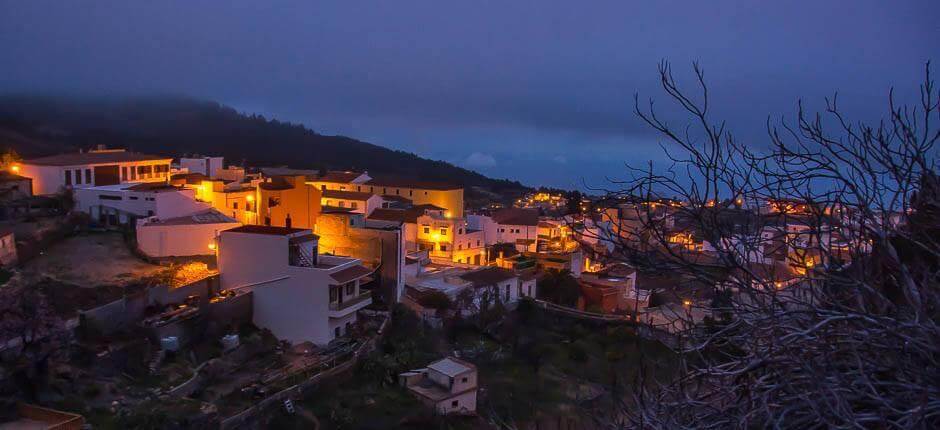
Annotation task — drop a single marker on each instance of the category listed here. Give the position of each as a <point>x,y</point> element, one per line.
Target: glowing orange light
<point>212,246</point>
<point>687,302</point>
<point>249,197</point>
<point>15,168</point>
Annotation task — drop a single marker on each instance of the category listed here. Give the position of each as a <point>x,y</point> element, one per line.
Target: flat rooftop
<point>208,216</point>
<point>95,157</point>
<point>267,229</point>
<point>140,187</point>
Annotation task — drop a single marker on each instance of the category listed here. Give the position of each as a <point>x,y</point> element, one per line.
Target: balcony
<point>350,305</point>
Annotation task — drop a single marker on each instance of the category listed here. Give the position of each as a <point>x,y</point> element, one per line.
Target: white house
<point>209,166</point>
<point>298,294</point>
<point>356,202</point>
<point>122,203</point>
<point>517,226</point>
<point>472,289</point>
<point>448,385</point>
<point>97,167</point>
<point>186,235</point>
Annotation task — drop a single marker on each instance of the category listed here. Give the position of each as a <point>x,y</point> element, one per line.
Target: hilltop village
<point>219,295</point>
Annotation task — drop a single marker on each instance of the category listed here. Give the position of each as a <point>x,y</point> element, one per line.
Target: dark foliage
<point>36,126</point>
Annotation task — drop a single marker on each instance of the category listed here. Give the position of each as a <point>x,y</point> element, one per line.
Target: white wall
<point>46,179</point>
<point>528,288</point>
<point>466,403</point>
<point>208,166</point>
<point>157,240</point>
<point>292,302</point>
<point>507,233</point>
<point>51,179</point>
<point>486,224</point>
<point>163,204</point>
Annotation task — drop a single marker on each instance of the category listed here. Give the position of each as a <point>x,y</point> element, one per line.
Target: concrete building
<point>472,290</point>
<point>288,201</point>
<point>235,199</point>
<point>449,239</point>
<point>209,166</point>
<point>298,294</point>
<point>354,201</point>
<point>613,290</point>
<point>188,235</point>
<point>125,203</point>
<point>447,196</point>
<point>97,167</point>
<point>518,226</point>
<point>346,234</point>
<point>448,385</point>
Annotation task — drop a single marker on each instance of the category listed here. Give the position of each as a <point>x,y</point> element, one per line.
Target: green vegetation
<point>533,369</point>
<point>559,288</point>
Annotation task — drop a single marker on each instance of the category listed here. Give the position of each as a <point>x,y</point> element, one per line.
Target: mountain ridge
<point>176,125</point>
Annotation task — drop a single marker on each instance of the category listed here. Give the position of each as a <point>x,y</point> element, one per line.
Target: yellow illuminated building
<point>446,196</point>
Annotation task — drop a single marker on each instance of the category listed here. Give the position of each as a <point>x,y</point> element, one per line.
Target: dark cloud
<point>523,83</point>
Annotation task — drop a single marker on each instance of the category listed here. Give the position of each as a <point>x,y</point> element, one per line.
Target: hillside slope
<point>36,126</point>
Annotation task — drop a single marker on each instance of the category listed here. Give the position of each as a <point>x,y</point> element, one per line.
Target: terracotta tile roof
<point>277,183</point>
<point>350,274</point>
<point>106,157</point>
<point>189,178</point>
<point>286,171</point>
<point>391,198</point>
<point>488,276</point>
<point>410,183</point>
<point>266,229</point>
<point>348,195</point>
<point>327,209</point>
<point>429,207</point>
<point>337,176</point>
<point>516,216</point>
<point>400,215</point>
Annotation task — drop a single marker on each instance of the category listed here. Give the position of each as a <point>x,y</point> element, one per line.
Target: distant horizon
<point>535,91</point>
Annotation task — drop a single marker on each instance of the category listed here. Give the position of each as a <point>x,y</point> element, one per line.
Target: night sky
<point>539,91</point>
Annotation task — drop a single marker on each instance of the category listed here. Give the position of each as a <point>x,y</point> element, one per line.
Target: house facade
<point>97,167</point>
<point>125,203</point>
<point>448,385</point>
<point>183,236</point>
<point>209,166</point>
<point>298,294</point>
<point>447,196</point>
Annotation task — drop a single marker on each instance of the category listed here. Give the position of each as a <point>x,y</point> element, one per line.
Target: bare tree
<point>823,246</point>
